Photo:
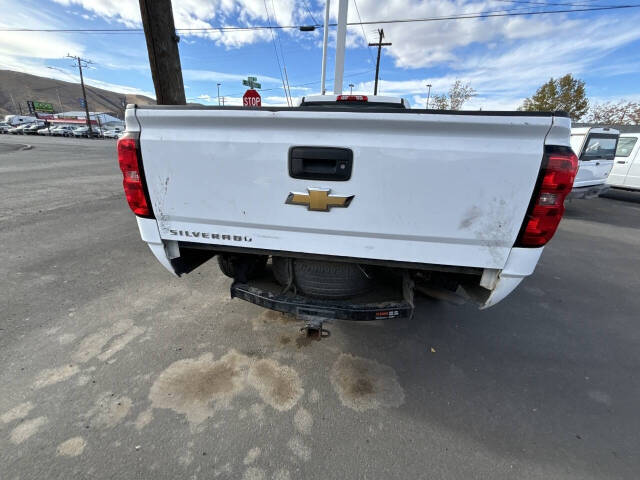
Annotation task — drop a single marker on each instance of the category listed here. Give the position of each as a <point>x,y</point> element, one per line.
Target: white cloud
<point>114,87</point>
<point>194,14</point>
<point>213,76</point>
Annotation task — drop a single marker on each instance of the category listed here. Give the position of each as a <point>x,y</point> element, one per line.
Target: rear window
<point>625,145</point>
<point>600,146</point>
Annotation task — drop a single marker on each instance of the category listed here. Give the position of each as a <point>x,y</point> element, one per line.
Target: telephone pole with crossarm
<point>83,63</point>
<point>379,45</point>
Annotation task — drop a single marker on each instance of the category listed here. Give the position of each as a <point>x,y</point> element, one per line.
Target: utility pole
<point>84,92</point>
<point>428,93</point>
<point>15,109</point>
<point>325,39</point>
<point>164,57</point>
<point>341,38</point>
<point>379,45</point>
<point>59,101</point>
<point>351,87</point>
<point>219,93</point>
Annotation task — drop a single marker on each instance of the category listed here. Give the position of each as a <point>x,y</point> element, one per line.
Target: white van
<point>626,168</point>
<point>595,148</point>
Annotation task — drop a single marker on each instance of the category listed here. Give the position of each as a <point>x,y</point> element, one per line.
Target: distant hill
<point>24,86</point>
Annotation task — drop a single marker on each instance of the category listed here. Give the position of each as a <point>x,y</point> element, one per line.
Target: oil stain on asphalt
<point>363,384</point>
<point>198,387</point>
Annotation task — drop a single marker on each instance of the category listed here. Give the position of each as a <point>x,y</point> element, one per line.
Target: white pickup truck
<point>344,206</point>
<point>596,149</point>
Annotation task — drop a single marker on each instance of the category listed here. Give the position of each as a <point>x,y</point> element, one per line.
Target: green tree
<point>564,93</point>
<point>459,93</point>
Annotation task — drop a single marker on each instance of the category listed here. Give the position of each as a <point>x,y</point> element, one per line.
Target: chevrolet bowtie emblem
<point>319,199</point>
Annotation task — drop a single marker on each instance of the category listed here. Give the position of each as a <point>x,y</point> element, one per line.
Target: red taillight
<point>132,177</point>
<point>560,166</point>
<point>352,98</point>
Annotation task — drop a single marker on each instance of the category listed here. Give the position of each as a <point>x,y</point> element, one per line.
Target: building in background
<point>99,119</point>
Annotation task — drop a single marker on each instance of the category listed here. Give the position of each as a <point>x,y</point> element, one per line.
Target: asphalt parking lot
<point>113,369</point>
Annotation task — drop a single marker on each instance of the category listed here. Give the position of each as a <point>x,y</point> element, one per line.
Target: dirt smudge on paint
<point>363,384</point>
<point>27,429</point>
<point>71,448</point>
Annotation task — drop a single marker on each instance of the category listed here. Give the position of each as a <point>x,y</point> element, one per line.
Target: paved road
<point>113,369</point>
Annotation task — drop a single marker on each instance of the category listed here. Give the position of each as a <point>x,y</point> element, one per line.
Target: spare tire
<point>331,280</point>
<point>242,267</point>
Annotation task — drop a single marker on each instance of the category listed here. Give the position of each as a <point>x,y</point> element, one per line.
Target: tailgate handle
<point>320,163</point>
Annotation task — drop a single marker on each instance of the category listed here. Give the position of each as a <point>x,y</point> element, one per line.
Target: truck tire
<point>330,280</point>
<point>242,267</point>
<point>280,268</point>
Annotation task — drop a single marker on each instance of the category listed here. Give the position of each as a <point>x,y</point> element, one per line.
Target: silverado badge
<point>319,199</point>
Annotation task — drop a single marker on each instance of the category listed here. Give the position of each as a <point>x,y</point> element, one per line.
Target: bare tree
<point>458,94</point>
<point>620,113</point>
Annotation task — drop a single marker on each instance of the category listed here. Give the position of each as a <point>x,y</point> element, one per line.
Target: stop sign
<point>251,98</point>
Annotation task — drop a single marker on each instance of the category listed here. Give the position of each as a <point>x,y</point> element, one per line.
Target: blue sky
<point>505,59</point>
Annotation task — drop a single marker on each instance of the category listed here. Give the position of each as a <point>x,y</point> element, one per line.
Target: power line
<point>275,50</point>
<point>306,5</point>
<point>284,63</point>
<point>364,72</point>
<point>551,4</point>
<point>488,14</point>
<point>366,40</point>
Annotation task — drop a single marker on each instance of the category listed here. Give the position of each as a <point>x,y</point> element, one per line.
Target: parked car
<point>62,131</point>
<point>112,133</point>
<point>81,132</point>
<point>351,205</point>
<point>4,127</point>
<point>595,148</point>
<point>626,168</point>
<point>46,130</point>
<point>19,129</point>
<point>32,129</point>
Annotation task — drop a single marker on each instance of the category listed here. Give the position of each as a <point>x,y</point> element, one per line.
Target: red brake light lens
<point>132,179</point>
<point>352,98</point>
<point>555,182</point>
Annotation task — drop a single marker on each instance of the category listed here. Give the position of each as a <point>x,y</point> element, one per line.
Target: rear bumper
<point>269,296</point>
<point>590,191</point>
<point>520,264</point>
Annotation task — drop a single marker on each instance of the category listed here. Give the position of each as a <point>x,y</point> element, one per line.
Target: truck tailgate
<point>592,172</point>
<point>429,188</point>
